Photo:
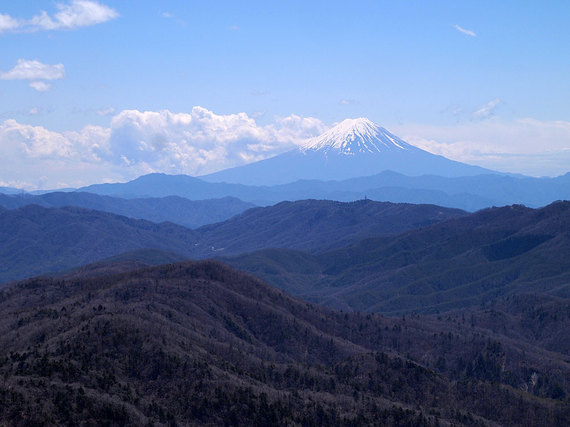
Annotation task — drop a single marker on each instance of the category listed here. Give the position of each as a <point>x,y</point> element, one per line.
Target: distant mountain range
<point>38,240</point>
<point>10,190</point>
<point>191,214</point>
<point>161,185</point>
<point>469,193</point>
<point>353,148</point>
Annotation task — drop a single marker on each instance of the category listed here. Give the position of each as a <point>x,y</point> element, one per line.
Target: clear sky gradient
<point>106,90</point>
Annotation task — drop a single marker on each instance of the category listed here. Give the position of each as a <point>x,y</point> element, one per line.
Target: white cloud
<point>109,111</point>
<point>526,146</point>
<point>257,114</point>
<point>464,31</point>
<point>139,142</point>
<point>8,23</point>
<point>34,70</point>
<point>36,157</point>
<point>454,110</point>
<point>295,129</point>
<point>201,141</point>
<point>40,86</point>
<point>71,15</point>
<point>487,110</point>
<point>34,141</point>
<point>173,17</point>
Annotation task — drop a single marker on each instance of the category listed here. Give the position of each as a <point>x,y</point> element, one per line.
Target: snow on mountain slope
<point>353,136</point>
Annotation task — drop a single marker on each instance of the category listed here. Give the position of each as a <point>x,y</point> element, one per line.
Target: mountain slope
<point>161,185</point>
<point>122,263</point>
<point>314,225</point>
<point>181,211</point>
<point>353,148</point>
<point>10,190</point>
<point>200,343</point>
<point>37,240</point>
<point>461,262</point>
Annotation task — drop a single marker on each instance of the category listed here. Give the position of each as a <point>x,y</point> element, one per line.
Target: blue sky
<point>106,90</point>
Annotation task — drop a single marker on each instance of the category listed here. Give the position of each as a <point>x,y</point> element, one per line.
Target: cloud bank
<point>71,15</point>
<point>528,146</point>
<point>139,142</point>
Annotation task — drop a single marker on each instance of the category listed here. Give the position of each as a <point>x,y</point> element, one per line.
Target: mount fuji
<point>353,148</point>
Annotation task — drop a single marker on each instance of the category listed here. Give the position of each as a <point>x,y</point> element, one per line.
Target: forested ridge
<point>202,343</point>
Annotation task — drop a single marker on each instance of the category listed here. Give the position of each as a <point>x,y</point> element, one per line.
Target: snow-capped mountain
<point>354,136</point>
<point>352,148</point>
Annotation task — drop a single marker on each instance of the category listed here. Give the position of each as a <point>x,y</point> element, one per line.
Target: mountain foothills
<point>461,262</point>
<point>38,240</point>
<point>314,225</point>
<point>423,258</point>
<point>174,209</point>
<point>201,343</point>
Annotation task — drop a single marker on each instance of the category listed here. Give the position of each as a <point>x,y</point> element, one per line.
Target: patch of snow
<point>353,136</point>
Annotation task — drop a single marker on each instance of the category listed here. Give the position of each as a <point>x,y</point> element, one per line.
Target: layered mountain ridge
<point>38,240</point>
<point>172,208</point>
<point>469,192</point>
<point>465,261</point>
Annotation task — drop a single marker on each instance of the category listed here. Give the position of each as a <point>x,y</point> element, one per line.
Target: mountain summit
<point>353,136</point>
<point>353,148</point>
